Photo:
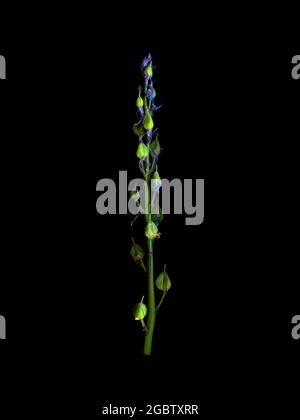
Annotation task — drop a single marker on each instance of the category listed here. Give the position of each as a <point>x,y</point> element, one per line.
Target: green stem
<point>151,301</point>
<point>161,300</point>
<point>151,292</point>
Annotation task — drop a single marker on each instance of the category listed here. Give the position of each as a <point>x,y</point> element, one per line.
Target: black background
<point>229,115</point>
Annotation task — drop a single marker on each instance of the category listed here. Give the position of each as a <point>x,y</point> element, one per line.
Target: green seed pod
<point>142,151</point>
<point>139,102</point>
<point>149,70</point>
<point>138,130</point>
<point>163,282</point>
<point>151,231</point>
<point>148,121</point>
<point>139,311</point>
<point>155,148</point>
<point>137,252</point>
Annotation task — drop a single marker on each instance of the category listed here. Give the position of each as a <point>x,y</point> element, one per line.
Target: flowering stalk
<point>148,152</point>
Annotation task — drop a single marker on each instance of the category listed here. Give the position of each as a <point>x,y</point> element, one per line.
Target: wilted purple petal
<point>146,61</point>
<point>155,108</point>
<point>141,112</point>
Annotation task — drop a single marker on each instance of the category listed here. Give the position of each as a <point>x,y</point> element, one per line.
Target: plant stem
<point>151,301</point>
<point>161,300</point>
<point>151,293</point>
